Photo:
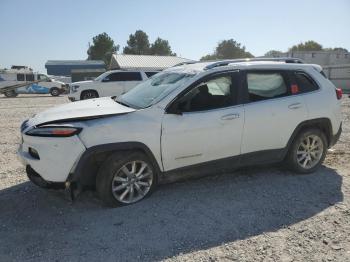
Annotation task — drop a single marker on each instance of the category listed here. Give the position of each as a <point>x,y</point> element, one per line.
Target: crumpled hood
<point>103,106</point>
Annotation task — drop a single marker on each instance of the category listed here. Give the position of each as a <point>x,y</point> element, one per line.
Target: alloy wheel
<point>310,151</point>
<point>132,182</point>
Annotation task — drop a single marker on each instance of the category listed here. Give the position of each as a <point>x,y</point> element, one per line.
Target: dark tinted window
<point>20,77</point>
<point>305,83</point>
<point>266,85</point>
<point>29,77</point>
<point>210,94</point>
<point>149,74</point>
<point>123,76</point>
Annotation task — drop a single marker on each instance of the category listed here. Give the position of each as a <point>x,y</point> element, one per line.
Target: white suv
<point>204,117</point>
<point>111,83</point>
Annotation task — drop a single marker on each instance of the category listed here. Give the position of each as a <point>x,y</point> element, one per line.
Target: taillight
<point>339,93</point>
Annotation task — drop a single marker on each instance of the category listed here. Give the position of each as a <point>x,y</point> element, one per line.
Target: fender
<point>93,90</point>
<point>322,123</point>
<point>55,87</point>
<point>87,167</point>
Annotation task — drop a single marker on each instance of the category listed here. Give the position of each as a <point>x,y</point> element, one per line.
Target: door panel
<point>113,88</point>
<point>269,124</point>
<point>198,137</point>
<point>210,125</point>
<point>272,112</point>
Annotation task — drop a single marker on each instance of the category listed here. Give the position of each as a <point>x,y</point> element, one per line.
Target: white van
<point>111,83</point>
<point>45,85</point>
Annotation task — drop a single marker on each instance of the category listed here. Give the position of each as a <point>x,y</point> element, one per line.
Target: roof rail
<point>279,59</point>
<point>185,63</point>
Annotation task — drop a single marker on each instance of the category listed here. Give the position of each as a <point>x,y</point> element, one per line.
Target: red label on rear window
<point>295,89</point>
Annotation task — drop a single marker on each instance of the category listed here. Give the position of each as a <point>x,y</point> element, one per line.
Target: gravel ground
<point>256,214</point>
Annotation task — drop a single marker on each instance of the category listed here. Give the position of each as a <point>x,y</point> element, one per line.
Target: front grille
<point>24,125</point>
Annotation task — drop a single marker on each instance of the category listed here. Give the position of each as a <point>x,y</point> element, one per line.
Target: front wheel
<point>54,91</point>
<point>307,151</point>
<point>88,94</point>
<point>11,93</point>
<point>125,179</point>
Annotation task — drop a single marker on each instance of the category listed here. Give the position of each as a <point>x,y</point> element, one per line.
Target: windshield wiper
<point>120,102</point>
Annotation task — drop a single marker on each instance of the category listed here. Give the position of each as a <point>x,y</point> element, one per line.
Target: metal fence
<point>339,75</point>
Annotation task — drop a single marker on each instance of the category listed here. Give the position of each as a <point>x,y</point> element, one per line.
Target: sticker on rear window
<point>295,89</point>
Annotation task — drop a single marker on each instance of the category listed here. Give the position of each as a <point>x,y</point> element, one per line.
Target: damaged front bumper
<point>37,179</point>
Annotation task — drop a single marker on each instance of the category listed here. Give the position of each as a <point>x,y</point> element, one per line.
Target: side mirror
<point>174,109</point>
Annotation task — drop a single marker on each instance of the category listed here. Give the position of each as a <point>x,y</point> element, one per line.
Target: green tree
<point>209,57</point>
<point>228,49</point>
<point>341,49</point>
<point>102,48</point>
<point>161,47</point>
<point>138,44</point>
<point>307,46</point>
<point>273,53</point>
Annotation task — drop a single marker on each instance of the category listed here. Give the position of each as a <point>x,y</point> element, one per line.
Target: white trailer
<point>25,81</point>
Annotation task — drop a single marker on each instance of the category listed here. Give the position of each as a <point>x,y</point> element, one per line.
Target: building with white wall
<point>144,62</point>
<point>336,64</point>
<point>321,57</point>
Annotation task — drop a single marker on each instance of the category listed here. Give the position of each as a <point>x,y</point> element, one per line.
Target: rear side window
<point>149,74</point>
<point>266,85</point>
<point>29,77</point>
<point>123,76</point>
<point>305,83</point>
<point>20,77</point>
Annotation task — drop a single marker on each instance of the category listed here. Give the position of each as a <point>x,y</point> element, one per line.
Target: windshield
<point>154,89</point>
<point>102,76</point>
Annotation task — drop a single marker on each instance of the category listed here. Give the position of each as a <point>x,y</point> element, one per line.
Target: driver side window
<point>43,77</point>
<point>214,92</point>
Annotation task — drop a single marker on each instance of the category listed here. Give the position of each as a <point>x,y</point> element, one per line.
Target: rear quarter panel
<point>323,103</point>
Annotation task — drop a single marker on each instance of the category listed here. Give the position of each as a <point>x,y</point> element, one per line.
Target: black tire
<point>88,94</point>
<point>11,93</point>
<point>54,91</point>
<point>296,148</point>
<point>112,167</point>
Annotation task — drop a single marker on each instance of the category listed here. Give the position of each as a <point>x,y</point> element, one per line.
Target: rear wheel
<point>88,94</point>
<point>307,151</point>
<point>54,91</point>
<point>125,179</point>
<point>11,93</point>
